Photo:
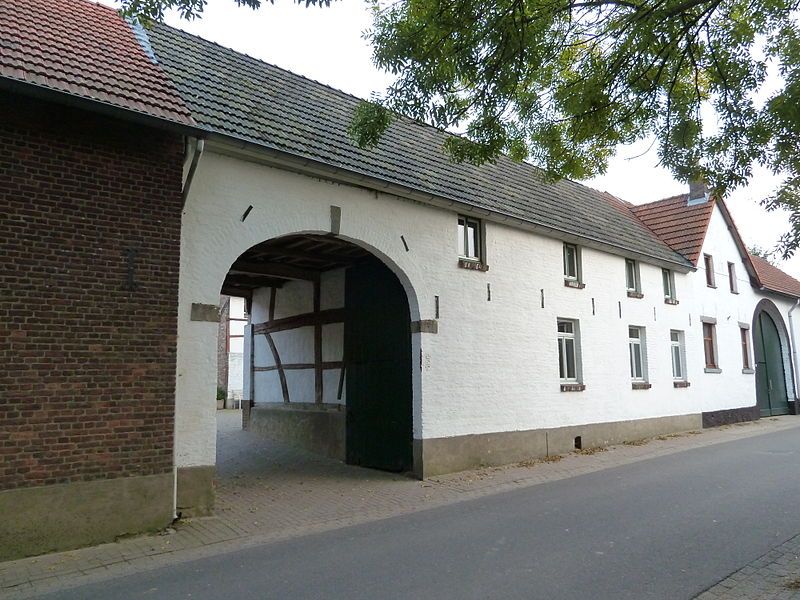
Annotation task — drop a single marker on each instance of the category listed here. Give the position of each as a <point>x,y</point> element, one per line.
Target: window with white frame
<point>632,276</point>
<point>678,353</point>
<point>572,262</point>
<point>668,278</point>
<point>638,358</point>
<point>568,351</point>
<point>469,238</point>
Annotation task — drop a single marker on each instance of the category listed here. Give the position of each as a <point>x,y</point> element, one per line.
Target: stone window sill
<point>572,387</point>
<point>641,385</point>
<point>712,370</point>
<point>748,371</point>
<point>681,384</point>
<point>571,283</point>
<point>672,301</point>
<point>637,295</point>
<point>472,265</point>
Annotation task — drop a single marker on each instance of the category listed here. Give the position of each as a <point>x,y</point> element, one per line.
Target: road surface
<point>665,528</point>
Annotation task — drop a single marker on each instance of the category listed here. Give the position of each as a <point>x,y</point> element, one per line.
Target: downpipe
<point>794,350</point>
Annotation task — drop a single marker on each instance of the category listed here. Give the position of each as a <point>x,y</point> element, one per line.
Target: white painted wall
<point>297,345</point>
<point>493,365</point>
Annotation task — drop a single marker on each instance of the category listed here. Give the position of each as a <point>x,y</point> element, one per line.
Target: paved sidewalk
<point>774,576</point>
<point>268,492</point>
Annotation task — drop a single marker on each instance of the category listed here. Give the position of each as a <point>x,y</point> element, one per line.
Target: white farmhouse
<point>412,314</point>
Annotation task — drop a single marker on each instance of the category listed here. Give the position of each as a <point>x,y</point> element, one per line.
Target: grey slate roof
<point>235,95</point>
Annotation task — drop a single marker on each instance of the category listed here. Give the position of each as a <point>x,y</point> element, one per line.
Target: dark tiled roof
<point>235,95</point>
<point>772,278</point>
<point>682,227</point>
<point>85,50</point>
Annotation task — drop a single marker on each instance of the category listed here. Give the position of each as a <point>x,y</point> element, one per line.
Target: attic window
<point>708,261</point>
<point>732,278</point>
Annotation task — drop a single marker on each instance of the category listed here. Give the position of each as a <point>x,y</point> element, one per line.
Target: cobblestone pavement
<point>774,576</point>
<point>267,492</point>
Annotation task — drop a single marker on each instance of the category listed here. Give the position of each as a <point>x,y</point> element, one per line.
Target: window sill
<point>681,384</point>
<point>712,370</point>
<point>572,387</point>
<point>472,265</point>
<point>637,295</point>
<point>571,283</point>
<point>748,371</point>
<point>641,385</point>
<point>672,301</point>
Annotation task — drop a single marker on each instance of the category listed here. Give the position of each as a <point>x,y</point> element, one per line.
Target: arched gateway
<point>329,358</point>
<point>773,363</point>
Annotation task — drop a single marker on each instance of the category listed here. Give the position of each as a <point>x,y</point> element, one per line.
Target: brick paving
<point>267,492</point>
<point>773,576</point>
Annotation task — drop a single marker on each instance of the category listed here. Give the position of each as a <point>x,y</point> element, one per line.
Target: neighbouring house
<point>405,312</point>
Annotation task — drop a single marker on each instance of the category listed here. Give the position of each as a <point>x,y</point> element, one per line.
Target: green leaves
<point>149,11</point>
<point>562,82</point>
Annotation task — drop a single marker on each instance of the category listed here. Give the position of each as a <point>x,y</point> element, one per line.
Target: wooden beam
<point>274,270</point>
<point>240,292</point>
<point>323,317</point>
<point>305,255</point>
<point>281,374</point>
<point>234,279</point>
<point>317,344</point>
<point>326,366</point>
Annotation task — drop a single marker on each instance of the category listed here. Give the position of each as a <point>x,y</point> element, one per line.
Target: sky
<point>327,44</point>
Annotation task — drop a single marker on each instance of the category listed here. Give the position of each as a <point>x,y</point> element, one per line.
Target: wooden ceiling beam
<point>274,270</point>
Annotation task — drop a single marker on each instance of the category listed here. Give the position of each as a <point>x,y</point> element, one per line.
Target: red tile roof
<point>85,50</point>
<point>772,278</point>
<point>682,227</point>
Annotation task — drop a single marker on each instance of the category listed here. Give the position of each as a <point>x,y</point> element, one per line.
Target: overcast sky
<point>326,44</point>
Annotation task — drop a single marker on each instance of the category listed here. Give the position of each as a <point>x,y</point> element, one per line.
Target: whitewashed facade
<point>492,366</point>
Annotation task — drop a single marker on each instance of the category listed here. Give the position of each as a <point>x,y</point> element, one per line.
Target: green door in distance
<point>770,375</point>
<point>377,356</point>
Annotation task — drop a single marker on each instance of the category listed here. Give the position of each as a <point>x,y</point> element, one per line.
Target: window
<point>710,345</point>
<point>708,260</point>
<point>469,238</point>
<point>745,336</point>
<point>636,347</point>
<point>632,275</point>
<point>568,366</point>
<point>668,277</point>
<point>571,262</point>
<point>678,355</point>
<point>732,278</point>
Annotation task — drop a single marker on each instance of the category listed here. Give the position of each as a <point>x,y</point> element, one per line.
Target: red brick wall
<point>87,366</point>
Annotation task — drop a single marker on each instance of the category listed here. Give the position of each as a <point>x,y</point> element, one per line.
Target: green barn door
<point>377,354</point>
<point>770,375</point>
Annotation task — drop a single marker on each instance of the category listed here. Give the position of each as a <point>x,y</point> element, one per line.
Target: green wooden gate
<point>770,374</point>
<point>377,355</point>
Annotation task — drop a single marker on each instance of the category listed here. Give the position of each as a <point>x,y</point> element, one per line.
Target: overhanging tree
<point>561,83</point>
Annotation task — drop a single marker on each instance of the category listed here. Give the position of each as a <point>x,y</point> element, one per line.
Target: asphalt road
<point>663,528</point>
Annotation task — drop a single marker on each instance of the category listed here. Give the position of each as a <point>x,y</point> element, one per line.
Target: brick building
<point>91,165</point>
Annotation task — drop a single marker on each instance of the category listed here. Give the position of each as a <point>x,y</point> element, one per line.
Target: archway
<point>774,381</point>
<point>328,351</point>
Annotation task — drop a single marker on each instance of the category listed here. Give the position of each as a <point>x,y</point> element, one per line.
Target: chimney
<point>698,192</point>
